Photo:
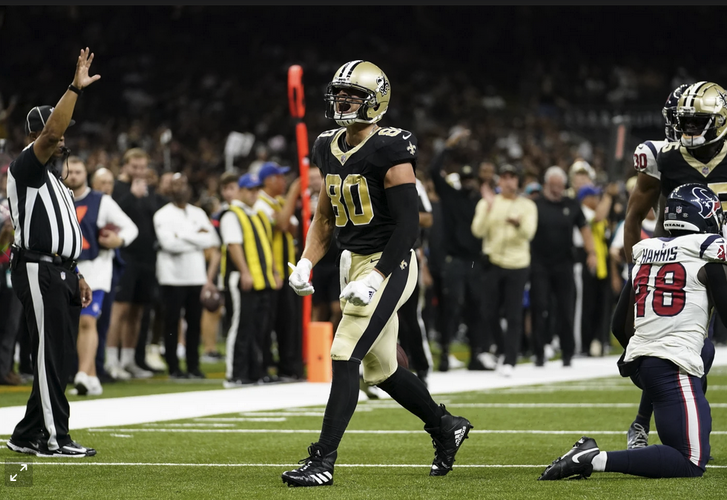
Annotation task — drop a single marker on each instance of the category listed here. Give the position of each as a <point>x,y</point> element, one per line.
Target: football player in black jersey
<point>368,203</point>
<point>694,153</point>
<point>646,194</point>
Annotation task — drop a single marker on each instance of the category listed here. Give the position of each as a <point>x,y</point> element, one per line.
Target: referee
<point>47,243</point>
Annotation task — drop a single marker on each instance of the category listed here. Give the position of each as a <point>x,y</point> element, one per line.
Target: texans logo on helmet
<point>708,205</point>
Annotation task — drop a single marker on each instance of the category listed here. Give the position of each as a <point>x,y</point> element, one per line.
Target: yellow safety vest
<point>283,243</point>
<point>599,239</point>
<point>256,237</point>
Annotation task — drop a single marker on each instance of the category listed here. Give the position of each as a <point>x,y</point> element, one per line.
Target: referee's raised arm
<point>51,137</point>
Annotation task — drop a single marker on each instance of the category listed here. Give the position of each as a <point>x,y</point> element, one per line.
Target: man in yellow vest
<point>286,306</point>
<point>597,298</point>
<point>248,270</point>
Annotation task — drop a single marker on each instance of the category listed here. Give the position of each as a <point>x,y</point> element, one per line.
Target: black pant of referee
<point>51,301</point>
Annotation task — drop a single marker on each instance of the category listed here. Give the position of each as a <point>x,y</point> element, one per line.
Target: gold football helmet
<point>702,114</point>
<point>357,82</point>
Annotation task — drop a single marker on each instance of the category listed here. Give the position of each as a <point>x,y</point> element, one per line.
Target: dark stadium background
<point>205,71</point>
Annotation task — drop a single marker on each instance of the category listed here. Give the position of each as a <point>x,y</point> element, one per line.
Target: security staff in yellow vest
<point>247,266</point>
<point>286,307</point>
<point>597,295</point>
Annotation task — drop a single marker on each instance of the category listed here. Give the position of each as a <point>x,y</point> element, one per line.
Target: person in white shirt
<point>506,222</point>
<point>104,227</point>
<point>183,232</point>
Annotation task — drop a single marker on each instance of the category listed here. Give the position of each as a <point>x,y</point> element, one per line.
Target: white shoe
<point>549,352</point>
<point>94,386</point>
<point>137,372</point>
<point>81,383</point>
<point>596,348</point>
<point>118,373</point>
<point>454,363</point>
<point>506,370</point>
<point>371,391</point>
<point>153,359</point>
<point>488,360</point>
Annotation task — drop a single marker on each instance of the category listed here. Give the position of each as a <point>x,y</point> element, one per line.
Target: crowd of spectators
<point>158,77</point>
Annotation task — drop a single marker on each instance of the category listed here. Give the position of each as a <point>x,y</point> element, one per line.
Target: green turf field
<point>386,454</point>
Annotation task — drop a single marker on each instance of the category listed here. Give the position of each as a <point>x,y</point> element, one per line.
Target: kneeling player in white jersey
<point>662,319</point>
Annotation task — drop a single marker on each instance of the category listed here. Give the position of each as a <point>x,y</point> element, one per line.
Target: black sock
<point>646,408</point>
<point>412,394</point>
<point>341,404</point>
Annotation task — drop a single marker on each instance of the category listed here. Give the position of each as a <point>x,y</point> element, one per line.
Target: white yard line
<point>407,466</point>
<point>156,408</point>
<point>355,431</point>
<point>235,419</point>
<point>278,414</point>
<point>201,424</point>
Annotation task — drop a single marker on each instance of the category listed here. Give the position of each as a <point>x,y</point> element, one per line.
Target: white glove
<point>360,292</point>
<point>299,280</point>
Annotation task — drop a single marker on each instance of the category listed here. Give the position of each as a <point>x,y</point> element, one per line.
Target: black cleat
<point>196,374</point>
<point>447,439</point>
<point>23,446</point>
<point>316,471</point>
<point>71,450</point>
<point>577,462</point>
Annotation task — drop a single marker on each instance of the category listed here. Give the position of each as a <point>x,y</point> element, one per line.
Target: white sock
<point>112,356</point>
<point>599,462</point>
<point>127,356</point>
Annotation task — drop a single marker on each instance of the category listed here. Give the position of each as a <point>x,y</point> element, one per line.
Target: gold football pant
<point>369,333</point>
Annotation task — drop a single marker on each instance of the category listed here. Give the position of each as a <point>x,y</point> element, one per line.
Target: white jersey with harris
<point>672,306</point>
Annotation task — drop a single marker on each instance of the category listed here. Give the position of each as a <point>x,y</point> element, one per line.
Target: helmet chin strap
<point>346,123</point>
<point>693,141</point>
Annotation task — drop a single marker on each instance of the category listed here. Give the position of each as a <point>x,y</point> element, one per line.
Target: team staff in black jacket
<point>463,265</point>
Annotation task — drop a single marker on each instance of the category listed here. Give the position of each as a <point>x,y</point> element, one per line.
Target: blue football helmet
<point>693,208</point>
<point>669,112</point>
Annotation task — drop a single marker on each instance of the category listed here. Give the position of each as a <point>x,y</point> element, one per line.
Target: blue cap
<point>271,168</point>
<point>249,181</point>
<point>588,191</point>
<point>533,187</point>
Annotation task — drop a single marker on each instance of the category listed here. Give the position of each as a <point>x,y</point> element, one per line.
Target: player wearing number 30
<point>661,320</point>
<point>695,154</point>
<point>369,205</point>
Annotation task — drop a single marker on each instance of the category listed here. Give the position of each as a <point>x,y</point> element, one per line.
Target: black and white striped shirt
<point>42,209</point>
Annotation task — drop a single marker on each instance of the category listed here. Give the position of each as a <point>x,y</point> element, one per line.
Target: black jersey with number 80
<point>354,181</point>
